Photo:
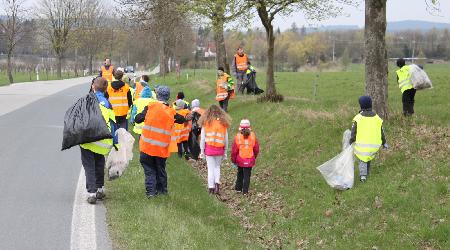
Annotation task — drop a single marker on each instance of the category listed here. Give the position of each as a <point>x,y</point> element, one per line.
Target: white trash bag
<point>339,171</point>
<point>118,161</point>
<point>419,78</point>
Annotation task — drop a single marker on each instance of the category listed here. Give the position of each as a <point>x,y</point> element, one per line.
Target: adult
<point>159,119</point>
<point>406,87</point>
<point>107,70</point>
<point>224,88</point>
<point>119,95</point>
<point>239,67</point>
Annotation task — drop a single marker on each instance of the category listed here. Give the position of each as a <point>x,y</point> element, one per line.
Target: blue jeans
<point>155,174</point>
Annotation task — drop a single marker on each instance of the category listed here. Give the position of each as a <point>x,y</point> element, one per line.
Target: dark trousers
<point>224,104</point>
<point>408,101</point>
<point>243,179</point>
<point>94,168</point>
<point>122,122</point>
<point>155,174</point>
<point>183,147</point>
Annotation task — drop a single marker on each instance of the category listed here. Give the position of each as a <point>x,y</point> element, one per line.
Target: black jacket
<point>141,117</point>
<point>366,113</point>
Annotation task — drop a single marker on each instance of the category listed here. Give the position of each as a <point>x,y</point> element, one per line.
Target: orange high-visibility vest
<point>182,130</point>
<point>157,130</point>
<point>215,134</point>
<point>107,73</point>
<point>246,145</point>
<point>138,91</point>
<point>119,99</point>
<point>241,62</point>
<point>222,88</point>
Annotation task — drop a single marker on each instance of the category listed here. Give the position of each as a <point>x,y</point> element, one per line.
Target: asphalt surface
<point>37,180</point>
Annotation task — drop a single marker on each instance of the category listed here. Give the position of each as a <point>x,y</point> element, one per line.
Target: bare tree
<point>12,27</point>
<point>59,18</point>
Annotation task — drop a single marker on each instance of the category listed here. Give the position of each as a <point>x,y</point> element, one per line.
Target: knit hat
<point>146,92</point>
<point>245,123</point>
<point>195,103</point>
<point>179,104</point>
<point>163,93</point>
<point>120,69</point>
<point>365,102</point>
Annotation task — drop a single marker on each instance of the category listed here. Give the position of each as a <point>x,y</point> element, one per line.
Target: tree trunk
<point>221,52</point>
<point>376,55</point>
<point>162,57</point>
<point>90,64</point>
<point>270,81</point>
<point>10,68</point>
<point>59,66</point>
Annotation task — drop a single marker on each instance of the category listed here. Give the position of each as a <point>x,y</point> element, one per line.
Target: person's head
<point>163,93</point>
<point>195,103</point>
<point>215,113</point>
<point>365,102</point>
<point>146,92</point>
<point>107,62</point>
<point>118,74</point>
<point>220,71</point>
<point>180,95</point>
<point>401,62</point>
<point>240,50</point>
<point>100,84</point>
<point>179,104</point>
<point>245,128</point>
<point>145,78</point>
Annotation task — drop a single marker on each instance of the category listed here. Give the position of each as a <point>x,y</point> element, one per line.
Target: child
<point>120,98</point>
<point>214,143</point>
<point>244,151</point>
<point>194,135</point>
<point>224,88</point>
<point>368,136</point>
<point>180,96</point>
<point>92,154</point>
<point>138,106</point>
<point>182,130</point>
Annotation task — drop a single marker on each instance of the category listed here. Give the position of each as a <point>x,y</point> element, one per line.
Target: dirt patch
<point>202,85</point>
<point>436,139</point>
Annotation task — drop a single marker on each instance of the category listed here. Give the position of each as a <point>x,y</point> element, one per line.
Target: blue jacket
<point>146,93</point>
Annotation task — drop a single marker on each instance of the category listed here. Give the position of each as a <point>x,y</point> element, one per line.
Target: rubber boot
<point>211,190</point>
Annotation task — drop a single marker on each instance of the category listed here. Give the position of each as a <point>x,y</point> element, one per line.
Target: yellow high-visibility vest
<point>140,104</point>
<point>103,146</point>
<point>404,78</point>
<point>368,137</point>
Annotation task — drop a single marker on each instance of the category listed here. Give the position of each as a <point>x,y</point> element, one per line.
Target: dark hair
<point>221,68</point>
<point>180,95</point>
<point>239,47</point>
<point>401,62</point>
<point>145,78</point>
<point>118,75</point>
<point>245,132</point>
<point>100,84</point>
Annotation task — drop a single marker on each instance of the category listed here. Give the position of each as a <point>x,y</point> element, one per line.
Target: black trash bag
<point>250,84</point>
<point>84,123</point>
<point>194,145</point>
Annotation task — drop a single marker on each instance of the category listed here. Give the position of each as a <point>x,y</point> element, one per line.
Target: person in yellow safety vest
<point>92,154</point>
<point>239,67</point>
<point>180,96</point>
<point>138,106</point>
<point>367,136</point>
<point>224,88</point>
<point>182,130</point>
<point>406,87</point>
<point>107,70</point>
<point>119,95</point>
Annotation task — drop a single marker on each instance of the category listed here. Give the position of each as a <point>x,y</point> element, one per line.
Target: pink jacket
<point>241,162</point>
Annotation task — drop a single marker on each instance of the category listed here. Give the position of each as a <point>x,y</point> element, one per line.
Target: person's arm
<point>383,136</point>
<point>226,142</point>
<point>234,66</point>
<point>141,117</point>
<point>353,135</point>
<point>256,148</point>
<point>202,141</point>
<point>133,113</point>
<point>179,119</point>
<point>234,152</point>
<point>130,98</point>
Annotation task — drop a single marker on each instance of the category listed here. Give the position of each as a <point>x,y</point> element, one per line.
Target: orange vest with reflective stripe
<point>246,145</point>
<point>138,91</point>
<point>222,88</point>
<point>119,99</point>
<point>182,130</point>
<point>241,62</point>
<point>107,73</point>
<point>215,134</point>
<point>157,130</point>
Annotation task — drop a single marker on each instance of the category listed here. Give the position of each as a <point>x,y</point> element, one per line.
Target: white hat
<point>120,69</point>
<point>195,103</point>
<point>245,123</point>
<point>179,104</point>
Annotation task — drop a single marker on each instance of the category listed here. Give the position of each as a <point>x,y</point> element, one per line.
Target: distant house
<point>207,50</point>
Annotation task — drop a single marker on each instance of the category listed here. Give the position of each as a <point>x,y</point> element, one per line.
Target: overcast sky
<point>397,10</point>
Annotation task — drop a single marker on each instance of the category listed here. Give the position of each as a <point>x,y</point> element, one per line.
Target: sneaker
<point>363,178</point>
<point>92,199</point>
<point>100,195</point>
<point>151,196</point>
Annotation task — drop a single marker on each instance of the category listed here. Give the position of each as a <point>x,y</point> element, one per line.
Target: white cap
<point>195,103</point>
<point>120,69</point>
<point>245,123</point>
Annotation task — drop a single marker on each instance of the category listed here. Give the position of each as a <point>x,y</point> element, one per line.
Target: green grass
<point>289,196</point>
<point>25,77</point>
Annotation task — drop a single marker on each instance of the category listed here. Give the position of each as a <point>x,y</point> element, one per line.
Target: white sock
<point>101,190</point>
<point>91,194</point>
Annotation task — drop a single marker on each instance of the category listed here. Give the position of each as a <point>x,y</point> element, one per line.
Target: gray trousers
<point>241,78</point>
<point>364,168</point>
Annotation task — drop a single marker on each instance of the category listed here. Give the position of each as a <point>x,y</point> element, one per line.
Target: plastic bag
<point>118,160</point>
<point>339,171</point>
<point>84,123</point>
<point>419,78</point>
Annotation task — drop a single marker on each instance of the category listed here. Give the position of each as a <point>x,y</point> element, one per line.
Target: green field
<point>25,77</point>
<point>405,204</point>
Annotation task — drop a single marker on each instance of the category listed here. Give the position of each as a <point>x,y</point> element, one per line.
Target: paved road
<point>37,180</point>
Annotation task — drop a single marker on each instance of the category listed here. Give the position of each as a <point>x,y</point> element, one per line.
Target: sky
<point>397,10</point>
